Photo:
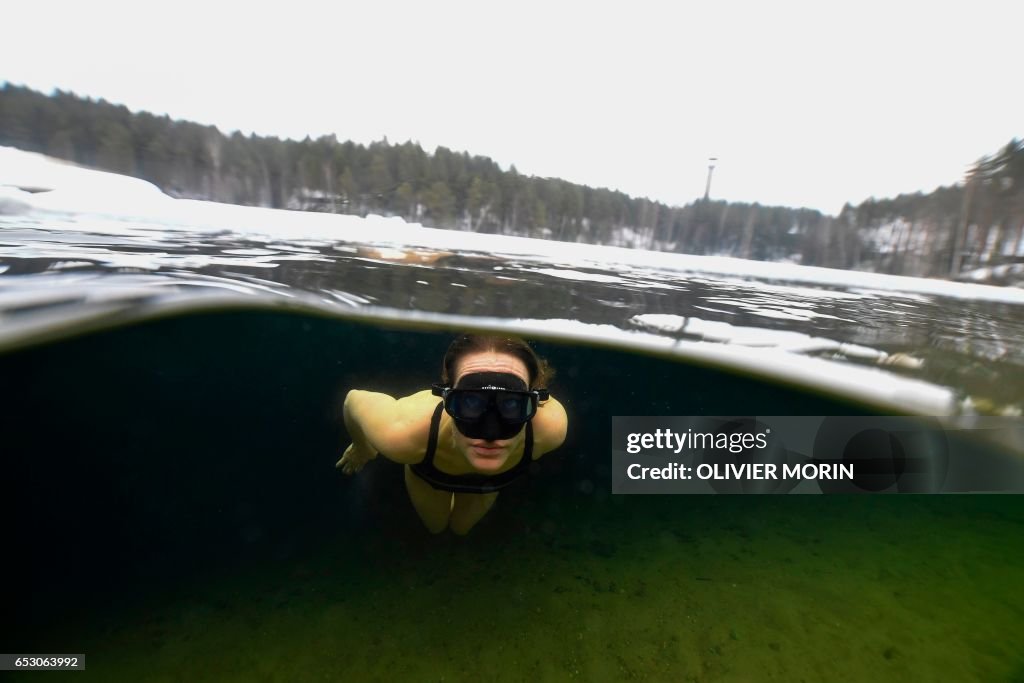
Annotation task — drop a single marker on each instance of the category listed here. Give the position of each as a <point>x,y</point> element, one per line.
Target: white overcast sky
<point>804,103</point>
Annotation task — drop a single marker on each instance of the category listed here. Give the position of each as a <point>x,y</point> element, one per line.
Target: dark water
<point>173,510</point>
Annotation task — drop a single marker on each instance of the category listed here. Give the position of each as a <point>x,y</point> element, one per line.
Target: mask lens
<point>467,405</point>
<point>513,407</point>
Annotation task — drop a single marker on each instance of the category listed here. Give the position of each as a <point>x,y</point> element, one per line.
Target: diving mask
<point>490,405</point>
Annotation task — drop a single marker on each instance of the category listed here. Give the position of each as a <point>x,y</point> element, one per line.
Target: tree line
<point>974,224</point>
<point>979,222</point>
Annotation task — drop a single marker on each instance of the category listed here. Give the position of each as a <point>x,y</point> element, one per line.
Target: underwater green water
<point>172,495</point>
<point>566,587</point>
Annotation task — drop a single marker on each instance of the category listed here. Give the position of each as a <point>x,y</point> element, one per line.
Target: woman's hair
<point>539,371</point>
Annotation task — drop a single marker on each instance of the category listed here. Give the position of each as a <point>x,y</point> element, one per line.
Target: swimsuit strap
<point>435,427</point>
<point>524,464</point>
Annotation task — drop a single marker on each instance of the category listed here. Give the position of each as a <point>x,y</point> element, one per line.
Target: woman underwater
<point>466,438</point>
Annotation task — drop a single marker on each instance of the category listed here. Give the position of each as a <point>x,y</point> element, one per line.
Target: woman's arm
<point>379,423</point>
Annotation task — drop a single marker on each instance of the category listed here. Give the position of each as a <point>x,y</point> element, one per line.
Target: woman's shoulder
<point>549,427</point>
<point>413,416</point>
<point>422,403</point>
<point>398,427</point>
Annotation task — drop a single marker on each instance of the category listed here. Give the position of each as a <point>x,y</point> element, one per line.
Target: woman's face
<point>488,455</point>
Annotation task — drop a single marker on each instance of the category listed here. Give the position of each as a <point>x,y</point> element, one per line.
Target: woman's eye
<point>472,403</point>
<point>510,406</point>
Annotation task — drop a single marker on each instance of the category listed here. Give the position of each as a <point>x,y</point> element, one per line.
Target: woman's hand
<point>354,458</point>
